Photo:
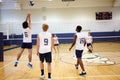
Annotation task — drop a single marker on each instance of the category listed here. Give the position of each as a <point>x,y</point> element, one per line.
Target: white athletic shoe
<point>49,79</point>
<point>42,76</point>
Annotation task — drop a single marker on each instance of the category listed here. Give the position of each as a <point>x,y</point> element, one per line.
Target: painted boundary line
<point>11,48</point>
<point>6,65</point>
<point>80,77</point>
<point>77,77</point>
<point>96,64</point>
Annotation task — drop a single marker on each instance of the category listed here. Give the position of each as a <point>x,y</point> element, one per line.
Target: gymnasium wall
<point>67,38</point>
<point>60,20</point>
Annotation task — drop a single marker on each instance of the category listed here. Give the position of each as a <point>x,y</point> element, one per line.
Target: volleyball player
<point>56,43</point>
<point>44,50</point>
<point>79,40</point>
<point>89,41</point>
<point>27,41</point>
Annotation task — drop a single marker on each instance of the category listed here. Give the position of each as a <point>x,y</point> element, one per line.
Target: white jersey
<point>80,41</point>
<point>89,39</point>
<point>45,42</point>
<point>55,40</point>
<point>27,35</point>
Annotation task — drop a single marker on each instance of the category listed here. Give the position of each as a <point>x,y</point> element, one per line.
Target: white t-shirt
<point>89,39</point>
<point>55,40</point>
<point>27,35</point>
<point>80,41</point>
<point>45,42</point>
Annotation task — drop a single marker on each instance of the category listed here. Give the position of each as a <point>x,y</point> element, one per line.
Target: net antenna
<point>7,30</point>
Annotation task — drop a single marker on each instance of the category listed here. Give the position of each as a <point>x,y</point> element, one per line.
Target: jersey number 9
<point>45,41</point>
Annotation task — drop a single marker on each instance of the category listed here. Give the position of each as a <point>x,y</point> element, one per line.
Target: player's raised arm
<point>28,19</point>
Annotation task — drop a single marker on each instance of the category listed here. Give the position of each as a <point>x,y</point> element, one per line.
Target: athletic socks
<point>49,75</point>
<point>42,75</point>
<point>30,64</point>
<point>42,71</point>
<point>16,63</point>
<point>83,73</point>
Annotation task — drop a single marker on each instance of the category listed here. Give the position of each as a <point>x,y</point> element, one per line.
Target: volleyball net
<point>13,33</point>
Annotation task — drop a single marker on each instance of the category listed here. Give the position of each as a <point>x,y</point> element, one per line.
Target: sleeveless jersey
<point>55,40</point>
<point>89,39</point>
<point>80,41</point>
<point>27,35</point>
<point>45,42</point>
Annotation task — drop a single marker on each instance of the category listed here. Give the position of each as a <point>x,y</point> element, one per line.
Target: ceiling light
<point>49,0</point>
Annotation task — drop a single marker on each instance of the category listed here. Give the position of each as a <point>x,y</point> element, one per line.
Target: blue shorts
<point>45,56</point>
<point>89,44</point>
<point>26,45</point>
<point>78,53</point>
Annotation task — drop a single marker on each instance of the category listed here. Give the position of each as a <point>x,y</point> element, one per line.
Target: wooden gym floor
<point>63,70</point>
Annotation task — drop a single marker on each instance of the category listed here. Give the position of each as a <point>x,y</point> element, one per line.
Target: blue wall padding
<point>105,36</point>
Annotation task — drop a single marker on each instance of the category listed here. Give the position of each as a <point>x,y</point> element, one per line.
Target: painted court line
<point>95,76</point>
<point>77,77</point>
<point>5,65</point>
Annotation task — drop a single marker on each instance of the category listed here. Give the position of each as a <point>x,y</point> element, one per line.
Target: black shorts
<point>26,45</point>
<point>56,44</point>
<point>79,53</point>
<point>89,44</point>
<point>45,56</point>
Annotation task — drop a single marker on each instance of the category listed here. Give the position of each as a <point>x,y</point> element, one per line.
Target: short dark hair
<point>25,24</point>
<point>78,28</point>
